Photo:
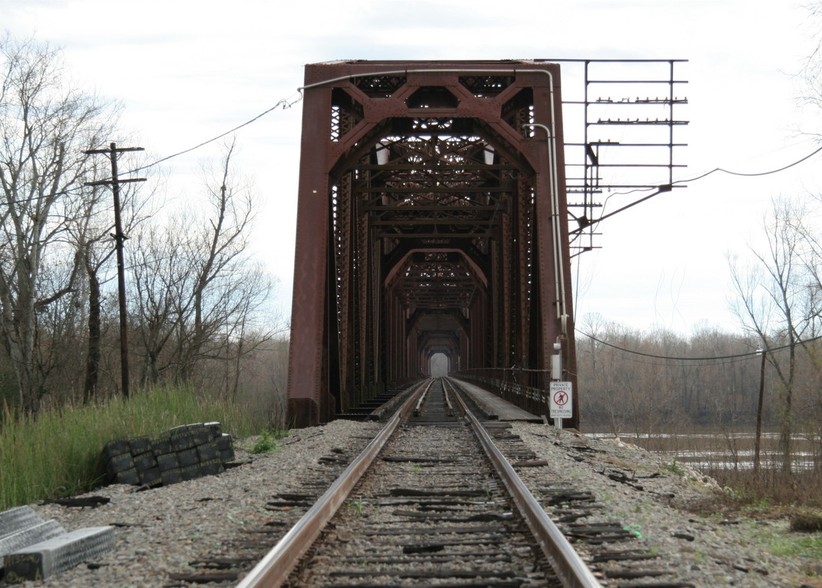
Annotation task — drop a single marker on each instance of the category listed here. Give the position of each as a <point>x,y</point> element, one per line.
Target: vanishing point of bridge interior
<point>432,220</point>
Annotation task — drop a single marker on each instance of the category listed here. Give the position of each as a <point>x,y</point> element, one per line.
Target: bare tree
<point>158,277</point>
<point>44,128</point>
<point>811,72</point>
<point>773,304</point>
<point>220,292</point>
<point>197,289</point>
<point>811,259</point>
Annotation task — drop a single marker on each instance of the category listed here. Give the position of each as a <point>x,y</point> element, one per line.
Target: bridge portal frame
<point>321,349</point>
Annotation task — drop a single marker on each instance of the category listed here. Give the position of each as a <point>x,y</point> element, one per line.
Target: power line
<point>679,358</point>
<point>665,188</point>
<point>751,174</point>
<point>284,103</point>
<point>676,358</point>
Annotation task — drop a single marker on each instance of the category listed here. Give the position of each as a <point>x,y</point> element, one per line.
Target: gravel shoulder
<point>161,531</point>
<point>666,505</point>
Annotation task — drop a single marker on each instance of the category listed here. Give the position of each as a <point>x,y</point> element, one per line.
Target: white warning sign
<point>561,400</point>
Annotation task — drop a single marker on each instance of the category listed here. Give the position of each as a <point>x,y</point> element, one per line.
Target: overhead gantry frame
<point>431,219</point>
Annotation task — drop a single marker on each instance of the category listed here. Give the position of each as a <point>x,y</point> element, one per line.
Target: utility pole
<point>119,238</point>
<point>758,439</point>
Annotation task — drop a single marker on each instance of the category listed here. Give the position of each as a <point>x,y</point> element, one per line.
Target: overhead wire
<point>664,188</point>
<point>751,174</point>
<point>745,355</point>
<point>284,103</point>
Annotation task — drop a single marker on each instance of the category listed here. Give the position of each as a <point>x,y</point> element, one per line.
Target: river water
<point>712,451</point>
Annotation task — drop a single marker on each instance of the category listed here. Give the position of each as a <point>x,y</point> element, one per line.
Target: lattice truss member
<point>432,219</point>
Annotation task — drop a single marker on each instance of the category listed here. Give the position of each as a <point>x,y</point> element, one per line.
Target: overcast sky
<point>186,71</point>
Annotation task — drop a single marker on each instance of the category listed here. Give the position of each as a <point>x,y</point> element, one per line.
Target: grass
<point>770,494</point>
<point>772,491</point>
<point>266,443</point>
<point>56,454</point>
<point>809,546</point>
<point>769,491</point>
<point>358,506</point>
<point>675,468</point>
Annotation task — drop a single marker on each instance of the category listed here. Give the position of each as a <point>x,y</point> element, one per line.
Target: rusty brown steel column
<point>307,403</point>
<point>404,145</point>
<point>559,325</point>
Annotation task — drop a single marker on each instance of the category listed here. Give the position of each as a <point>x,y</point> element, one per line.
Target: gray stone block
<point>14,519</point>
<point>44,559</point>
<point>29,536</point>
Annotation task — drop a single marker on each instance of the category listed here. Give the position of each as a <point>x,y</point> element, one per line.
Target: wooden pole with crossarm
<point>113,151</point>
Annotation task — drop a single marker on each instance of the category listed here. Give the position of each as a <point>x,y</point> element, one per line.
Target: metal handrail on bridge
<point>526,388</point>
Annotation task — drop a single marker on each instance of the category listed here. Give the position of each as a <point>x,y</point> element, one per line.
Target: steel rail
<point>448,401</point>
<point>274,568</point>
<point>569,567</point>
<point>420,401</point>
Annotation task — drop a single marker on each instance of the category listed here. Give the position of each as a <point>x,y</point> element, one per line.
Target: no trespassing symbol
<point>561,404</point>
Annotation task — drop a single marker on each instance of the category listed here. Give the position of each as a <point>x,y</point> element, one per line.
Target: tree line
<point>648,383</point>
<point>196,297</point>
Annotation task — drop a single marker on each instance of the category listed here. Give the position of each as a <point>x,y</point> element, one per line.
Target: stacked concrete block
<point>21,527</point>
<point>52,556</point>
<point>182,453</point>
<point>34,549</point>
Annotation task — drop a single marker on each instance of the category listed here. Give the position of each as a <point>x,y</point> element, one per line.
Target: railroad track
<point>426,512</point>
<point>422,505</point>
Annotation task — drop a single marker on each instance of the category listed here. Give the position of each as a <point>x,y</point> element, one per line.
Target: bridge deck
<point>496,407</point>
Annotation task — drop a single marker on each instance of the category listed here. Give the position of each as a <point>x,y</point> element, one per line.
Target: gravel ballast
<point>659,501</point>
<point>159,532</point>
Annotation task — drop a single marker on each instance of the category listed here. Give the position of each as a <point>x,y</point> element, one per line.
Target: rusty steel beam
<point>403,160</point>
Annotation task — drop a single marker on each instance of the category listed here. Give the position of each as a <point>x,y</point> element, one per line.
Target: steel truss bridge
<point>432,220</point>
